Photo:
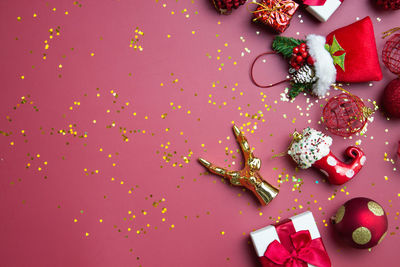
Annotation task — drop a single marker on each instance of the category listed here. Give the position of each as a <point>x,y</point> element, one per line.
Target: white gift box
<point>322,13</point>
<point>264,236</point>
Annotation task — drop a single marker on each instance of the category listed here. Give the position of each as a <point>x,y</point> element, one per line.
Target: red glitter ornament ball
<point>388,4</point>
<point>226,6</point>
<point>344,114</point>
<point>391,99</point>
<point>361,222</point>
<point>391,54</point>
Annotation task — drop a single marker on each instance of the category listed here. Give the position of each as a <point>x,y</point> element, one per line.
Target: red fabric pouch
<point>361,63</point>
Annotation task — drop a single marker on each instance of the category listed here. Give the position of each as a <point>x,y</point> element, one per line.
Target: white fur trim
<point>325,70</point>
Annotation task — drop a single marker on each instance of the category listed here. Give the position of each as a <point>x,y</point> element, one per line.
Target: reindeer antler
<point>249,176</point>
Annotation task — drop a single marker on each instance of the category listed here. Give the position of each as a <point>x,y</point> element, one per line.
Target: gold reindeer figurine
<point>249,176</point>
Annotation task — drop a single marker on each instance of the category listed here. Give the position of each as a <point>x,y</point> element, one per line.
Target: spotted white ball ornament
<point>361,222</point>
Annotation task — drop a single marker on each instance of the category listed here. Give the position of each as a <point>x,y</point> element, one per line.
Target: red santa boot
<point>312,148</point>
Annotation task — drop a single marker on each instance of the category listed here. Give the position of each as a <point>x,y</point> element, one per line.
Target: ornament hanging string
<point>389,32</point>
<point>296,138</point>
<point>366,111</point>
<point>252,76</point>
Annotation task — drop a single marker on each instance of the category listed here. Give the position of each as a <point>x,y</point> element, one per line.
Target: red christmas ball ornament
<point>391,98</point>
<point>388,4</point>
<point>391,52</point>
<point>391,59</point>
<point>226,6</point>
<point>345,114</point>
<point>361,222</point>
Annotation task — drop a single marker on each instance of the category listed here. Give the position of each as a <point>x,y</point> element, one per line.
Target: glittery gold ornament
<point>249,176</point>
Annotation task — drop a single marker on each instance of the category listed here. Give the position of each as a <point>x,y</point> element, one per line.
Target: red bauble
<point>391,54</point>
<point>344,114</point>
<point>391,98</point>
<point>226,6</point>
<point>388,4</point>
<point>361,222</point>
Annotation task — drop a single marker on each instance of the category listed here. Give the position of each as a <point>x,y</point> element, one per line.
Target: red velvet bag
<point>347,54</point>
<point>358,53</point>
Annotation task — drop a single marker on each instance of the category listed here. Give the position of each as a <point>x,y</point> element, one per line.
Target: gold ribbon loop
<point>389,32</point>
<point>296,138</point>
<point>366,111</point>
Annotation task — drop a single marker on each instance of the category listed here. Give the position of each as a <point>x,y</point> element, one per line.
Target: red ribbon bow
<point>306,250</point>
<point>315,2</point>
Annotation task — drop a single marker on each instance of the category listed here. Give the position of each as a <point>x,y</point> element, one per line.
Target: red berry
<point>302,49</point>
<point>310,61</point>
<point>297,68</point>
<point>295,50</point>
<point>303,45</point>
<point>299,59</point>
<point>304,54</point>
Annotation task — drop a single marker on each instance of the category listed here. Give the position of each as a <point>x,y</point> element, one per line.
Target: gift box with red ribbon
<point>293,242</point>
<point>275,13</point>
<point>322,9</point>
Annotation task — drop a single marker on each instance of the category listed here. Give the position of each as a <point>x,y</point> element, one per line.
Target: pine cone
<point>388,4</point>
<point>305,74</point>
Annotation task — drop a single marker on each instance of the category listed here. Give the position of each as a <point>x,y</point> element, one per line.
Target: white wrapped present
<point>286,232</point>
<point>323,12</point>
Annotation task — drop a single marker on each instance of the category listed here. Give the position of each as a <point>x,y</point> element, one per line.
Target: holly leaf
<point>339,60</point>
<point>285,45</point>
<point>333,49</point>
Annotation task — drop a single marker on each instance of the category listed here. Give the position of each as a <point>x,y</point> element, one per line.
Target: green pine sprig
<point>298,88</point>
<point>285,45</point>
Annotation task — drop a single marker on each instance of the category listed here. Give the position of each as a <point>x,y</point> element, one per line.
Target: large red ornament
<point>226,6</point>
<point>391,59</point>
<point>388,4</point>
<point>345,114</point>
<point>391,52</point>
<point>391,98</point>
<point>361,222</point>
